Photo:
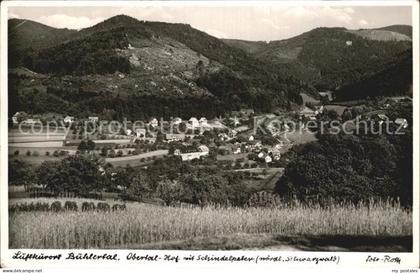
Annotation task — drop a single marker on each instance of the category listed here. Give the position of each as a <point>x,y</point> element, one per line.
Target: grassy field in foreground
<point>147,224</point>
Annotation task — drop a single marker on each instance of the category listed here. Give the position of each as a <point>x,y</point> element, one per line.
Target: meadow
<point>151,226</point>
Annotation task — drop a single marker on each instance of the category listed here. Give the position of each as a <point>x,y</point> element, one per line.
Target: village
<point>241,140</point>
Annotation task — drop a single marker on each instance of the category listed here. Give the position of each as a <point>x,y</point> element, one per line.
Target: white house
<point>93,119</point>
<point>141,133</point>
<point>176,121</point>
<point>128,132</point>
<point>68,119</point>
<point>16,117</point>
<point>261,155</point>
<point>237,150</point>
<point>203,121</point>
<point>32,121</point>
<point>268,159</point>
<point>174,137</point>
<point>154,122</point>
<point>349,43</point>
<point>194,122</point>
<point>203,151</point>
<point>251,138</point>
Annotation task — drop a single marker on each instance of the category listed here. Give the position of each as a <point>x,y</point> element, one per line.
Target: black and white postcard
<point>241,135</point>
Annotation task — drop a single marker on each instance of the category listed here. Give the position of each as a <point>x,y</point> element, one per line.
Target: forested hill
<point>163,64</point>
<point>395,79</point>
<point>25,34</point>
<point>329,58</point>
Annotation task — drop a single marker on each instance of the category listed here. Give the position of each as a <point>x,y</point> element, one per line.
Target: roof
<point>203,148</point>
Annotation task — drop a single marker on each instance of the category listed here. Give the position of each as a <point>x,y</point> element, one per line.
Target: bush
<point>35,153</point>
<point>88,206</point>
<point>16,152</point>
<point>28,153</point>
<point>103,207</point>
<point>40,206</point>
<point>55,153</point>
<point>56,206</point>
<point>47,153</point>
<point>264,199</point>
<point>70,205</point>
<point>117,207</point>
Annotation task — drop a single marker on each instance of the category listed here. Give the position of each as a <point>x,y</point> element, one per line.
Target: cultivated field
<point>135,159</point>
<point>144,226</point>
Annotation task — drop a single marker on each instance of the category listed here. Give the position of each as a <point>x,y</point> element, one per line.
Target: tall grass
<point>142,223</point>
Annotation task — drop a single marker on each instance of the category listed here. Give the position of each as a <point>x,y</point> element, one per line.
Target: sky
<point>256,23</point>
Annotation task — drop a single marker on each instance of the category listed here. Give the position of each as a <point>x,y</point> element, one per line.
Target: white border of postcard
<point>348,261</point>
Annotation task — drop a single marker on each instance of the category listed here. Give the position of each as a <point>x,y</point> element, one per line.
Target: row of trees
<point>168,179</point>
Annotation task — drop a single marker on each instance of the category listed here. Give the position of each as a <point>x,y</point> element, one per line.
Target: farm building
<point>193,122</point>
<point>203,151</point>
<point>32,121</point>
<point>68,119</point>
<point>18,116</point>
<point>174,137</point>
<point>153,122</point>
<point>176,121</point>
<point>203,121</point>
<point>140,132</point>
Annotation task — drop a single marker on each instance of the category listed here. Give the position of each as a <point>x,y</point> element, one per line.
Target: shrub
<point>117,207</point>
<point>70,205</point>
<point>103,207</point>
<point>88,206</point>
<point>28,153</point>
<point>47,153</point>
<point>40,206</point>
<point>55,153</point>
<point>264,199</point>
<point>56,206</point>
<point>35,153</point>
<point>16,152</point>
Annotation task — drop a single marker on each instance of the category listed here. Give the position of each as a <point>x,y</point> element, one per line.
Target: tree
<point>139,186</point>
<point>82,146</point>
<point>343,167</point>
<point>77,174</point>
<point>20,173</point>
<point>88,145</point>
